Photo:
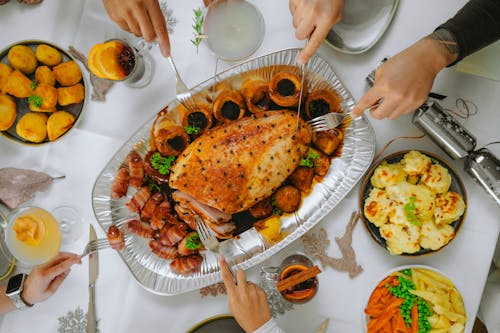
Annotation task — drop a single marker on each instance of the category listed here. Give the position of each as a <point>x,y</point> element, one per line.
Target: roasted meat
<point>234,166</point>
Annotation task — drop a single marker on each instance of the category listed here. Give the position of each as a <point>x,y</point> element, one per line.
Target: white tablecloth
<point>122,304</point>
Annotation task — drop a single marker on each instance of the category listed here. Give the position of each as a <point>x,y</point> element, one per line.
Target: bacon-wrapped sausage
<point>136,169</point>
<point>120,185</point>
<point>186,265</point>
<point>162,251</point>
<point>116,238</point>
<point>150,206</point>
<point>140,228</point>
<point>162,215</point>
<point>139,199</point>
<point>173,234</point>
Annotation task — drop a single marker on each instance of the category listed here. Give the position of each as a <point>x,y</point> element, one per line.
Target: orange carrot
<point>375,311</point>
<point>376,324</point>
<point>387,328</point>
<point>398,323</point>
<point>414,318</point>
<point>388,280</point>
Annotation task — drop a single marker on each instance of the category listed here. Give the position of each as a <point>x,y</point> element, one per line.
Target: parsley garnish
<point>276,210</point>
<point>161,164</point>
<point>198,20</point>
<point>192,130</point>
<point>193,242</point>
<point>152,185</point>
<point>410,211</point>
<point>34,84</point>
<point>310,160</point>
<point>35,100</point>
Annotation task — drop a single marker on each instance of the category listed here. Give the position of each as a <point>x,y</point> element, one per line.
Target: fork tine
<point>316,121</point>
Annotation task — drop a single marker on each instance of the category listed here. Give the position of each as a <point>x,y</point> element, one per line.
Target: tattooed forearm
<point>446,39</point>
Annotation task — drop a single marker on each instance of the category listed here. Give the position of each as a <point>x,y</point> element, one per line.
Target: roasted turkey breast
<point>234,166</point>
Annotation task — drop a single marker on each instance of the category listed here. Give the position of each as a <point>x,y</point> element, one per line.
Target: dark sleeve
<point>475,26</point>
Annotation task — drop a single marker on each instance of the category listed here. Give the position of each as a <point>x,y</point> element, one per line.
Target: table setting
<point>119,123</point>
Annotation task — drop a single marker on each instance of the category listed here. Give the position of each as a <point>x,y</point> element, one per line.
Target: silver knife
<point>93,272</point>
<point>302,68</point>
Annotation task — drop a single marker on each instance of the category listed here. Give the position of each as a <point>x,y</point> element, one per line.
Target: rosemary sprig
<point>198,20</point>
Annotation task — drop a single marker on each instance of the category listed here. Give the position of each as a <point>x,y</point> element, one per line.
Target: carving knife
<point>93,272</point>
<point>302,69</point>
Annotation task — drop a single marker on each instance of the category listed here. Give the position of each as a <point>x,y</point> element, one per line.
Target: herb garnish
<point>152,185</point>
<point>161,164</point>
<point>410,211</point>
<point>198,20</point>
<point>193,242</point>
<point>310,160</point>
<point>276,210</point>
<point>191,129</point>
<point>34,84</point>
<point>35,100</point>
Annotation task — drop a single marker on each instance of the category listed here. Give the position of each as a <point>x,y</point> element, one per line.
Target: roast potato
<point>18,85</point>
<point>7,112</point>
<point>32,127</point>
<point>22,58</point>
<point>5,71</point>
<point>48,55</point>
<point>48,95</point>
<point>59,123</point>
<point>67,73</point>
<point>43,74</point>
<point>71,95</point>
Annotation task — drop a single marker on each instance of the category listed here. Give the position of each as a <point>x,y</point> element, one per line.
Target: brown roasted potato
<point>48,55</point>
<point>22,58</point>
<point>67,73</point>
<point>48,95</point>
<point>59,123</point>
<point>7,112</point>
<point>287,198</point>
<point>43,74</point>
<point>18,85</point>
<point>32,127</point>
<point>5,71</point>
<point>262,209</point>
<point>71,95</point>
<point>302,178</point>
<point>322,163</point>
<point>328,141</point>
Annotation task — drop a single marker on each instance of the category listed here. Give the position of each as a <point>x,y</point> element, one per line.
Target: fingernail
<point>165,51</point>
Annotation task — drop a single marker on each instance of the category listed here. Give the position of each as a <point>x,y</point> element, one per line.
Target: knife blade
<point>323,326</point>
<point>93,273</point>
<point>302,69</point>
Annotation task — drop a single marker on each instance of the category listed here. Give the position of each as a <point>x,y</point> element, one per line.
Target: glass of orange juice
<point>32,235</point>
<point>118,60</point>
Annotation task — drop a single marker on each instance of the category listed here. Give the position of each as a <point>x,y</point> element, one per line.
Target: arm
<point>43,281</point>
<point>404,81</point>
<point>313,19</point>
<point>247,302</point>
<point>142,18</point>
<point>474,26</point>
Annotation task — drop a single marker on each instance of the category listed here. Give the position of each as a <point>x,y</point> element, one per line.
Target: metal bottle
<point>484,167</point>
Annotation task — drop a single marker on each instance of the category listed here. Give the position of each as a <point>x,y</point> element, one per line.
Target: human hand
<point>247,301</point>
<point>404,81</point>
<point>44,280</point>
<point>141,17</point>
<point>313,19</point>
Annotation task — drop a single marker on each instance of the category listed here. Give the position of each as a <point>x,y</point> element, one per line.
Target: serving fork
<point>332,120</point>
<point>182,92</point>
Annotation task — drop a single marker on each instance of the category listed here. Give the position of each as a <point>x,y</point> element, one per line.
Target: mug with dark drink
<point>298,281</point>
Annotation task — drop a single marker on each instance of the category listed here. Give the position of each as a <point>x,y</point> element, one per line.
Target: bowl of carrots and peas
<point>415,299</point>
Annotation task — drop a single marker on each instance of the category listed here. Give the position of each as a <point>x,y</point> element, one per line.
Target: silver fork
<point>332,120</point>
<point>182,92</point>
<point>209,239</point>
<point>95,245</point>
